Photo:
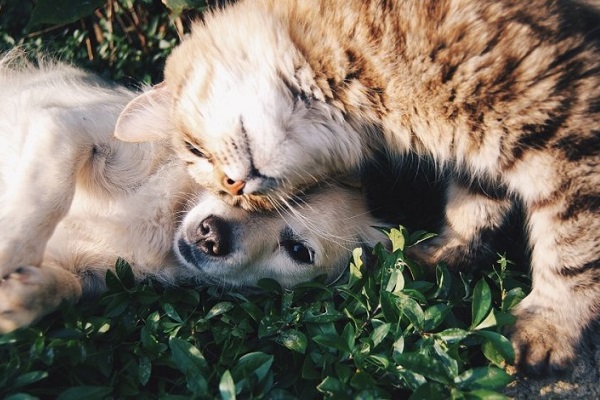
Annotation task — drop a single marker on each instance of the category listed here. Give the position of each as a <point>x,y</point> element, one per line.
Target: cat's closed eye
<point>194,150</point>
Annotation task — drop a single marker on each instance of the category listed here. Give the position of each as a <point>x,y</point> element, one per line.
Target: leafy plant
<point>382,333</point>
<point>123,40</point>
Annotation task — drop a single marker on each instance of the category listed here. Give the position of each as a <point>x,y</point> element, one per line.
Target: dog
<point>74,199</point>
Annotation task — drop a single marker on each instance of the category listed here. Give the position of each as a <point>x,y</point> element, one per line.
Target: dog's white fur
<point>73,199</point>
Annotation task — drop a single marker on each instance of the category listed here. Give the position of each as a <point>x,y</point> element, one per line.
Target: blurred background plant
<point>123,40</point>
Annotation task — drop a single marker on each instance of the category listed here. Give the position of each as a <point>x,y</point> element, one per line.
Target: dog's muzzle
<point>211,238</point>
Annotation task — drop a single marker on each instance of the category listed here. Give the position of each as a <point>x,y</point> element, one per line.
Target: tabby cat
<point>269,96</point>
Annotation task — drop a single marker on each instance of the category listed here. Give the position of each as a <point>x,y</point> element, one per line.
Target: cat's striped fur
<point>273,95</point>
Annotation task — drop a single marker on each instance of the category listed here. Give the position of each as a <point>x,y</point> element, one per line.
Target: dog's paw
<point>29,292</point>
<point>19,297</point>
<point>542,346</point>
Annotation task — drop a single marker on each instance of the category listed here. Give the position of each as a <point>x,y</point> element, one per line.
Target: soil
<point>581,381</point>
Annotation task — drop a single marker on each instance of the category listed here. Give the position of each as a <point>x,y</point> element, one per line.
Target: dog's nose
<point>233,187</point>
<point>212,237</point>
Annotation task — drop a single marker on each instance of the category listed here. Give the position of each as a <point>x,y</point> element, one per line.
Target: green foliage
<point>123,40</point>
<point>387,332</point>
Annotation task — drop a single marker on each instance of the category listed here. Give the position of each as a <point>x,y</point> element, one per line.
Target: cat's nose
<point>233,187</point>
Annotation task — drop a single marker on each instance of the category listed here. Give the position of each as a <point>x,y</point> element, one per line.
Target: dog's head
<point>229,246</point>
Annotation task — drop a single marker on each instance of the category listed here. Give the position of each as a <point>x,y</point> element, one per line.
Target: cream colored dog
<point>73,199</point>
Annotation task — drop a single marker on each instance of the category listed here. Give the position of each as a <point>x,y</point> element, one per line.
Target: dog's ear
<point>146,117</point>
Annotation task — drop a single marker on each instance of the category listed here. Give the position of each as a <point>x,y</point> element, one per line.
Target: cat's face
<point>248,117</point>
<point>254,126</point>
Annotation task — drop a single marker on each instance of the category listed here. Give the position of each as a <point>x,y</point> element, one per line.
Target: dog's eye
<point>194,150</point>
<point>299,252</point>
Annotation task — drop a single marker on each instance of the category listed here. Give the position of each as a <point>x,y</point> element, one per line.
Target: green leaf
<point>331,385</point>
<point>395,280</point>
<point>512,298</point>
<point>332,340</point>
<point>250,368</point>
<point>171,312</point>
<point>389,306</point>
<point>488,322</point>
<point>252,310</point>
<point>378,360</point>
<point>361,380</point>
<point>482,302</point>
<point>380,333</point>
<point>434,315</point>
<point>29,378</point>
<point>125,273</point>
<point>178,6</point>
<point>445,355</point>
<point>500,347</point>
<point>398,346</point>
<point>412,380</point>
<point>293,340</point>
<point>444,282</point>
<point>112,281</point>
<point>85,392</point>
<point>409,308</point>
<point>484,394</point>
<point>227,386</point>
<point>355,266</point>
<point>316,315</point>
<point>119,303</point>
<point>189,360</point>
<point>397,238</point>
<point>219,308</point>
<point>144,370</point>
<point>429,391</point>
<point>453,335</point>
<point>349,335</point>
<point>428,366</point>
<point>61,12</point>
<point>21,396</point>
<point>149,341</point>
<point>420,236</point>
<point>270,285</point>
<point>483,378</point>
<point>269,326</point>
<point>146,296</point>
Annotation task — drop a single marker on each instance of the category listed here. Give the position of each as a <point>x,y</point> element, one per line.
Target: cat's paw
<point>542,345</point>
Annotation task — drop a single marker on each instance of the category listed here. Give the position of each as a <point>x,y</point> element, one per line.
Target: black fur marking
<point>582,202</point>
<point>576,271</point>
<point>575,147</point>
<point>537,136</point>
<point>296,92</point>
<point>448,72</point>
<point>594,106</point>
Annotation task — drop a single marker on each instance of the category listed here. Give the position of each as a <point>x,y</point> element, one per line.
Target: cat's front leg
<point>30,292</point>
<point>565,297</point>
<point>471,215</point>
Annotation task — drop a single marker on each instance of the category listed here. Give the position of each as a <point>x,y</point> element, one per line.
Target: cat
<point>74,200</point>
<point>269,97</point>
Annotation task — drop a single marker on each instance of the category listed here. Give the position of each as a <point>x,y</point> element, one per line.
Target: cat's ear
<point>146,117</point>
